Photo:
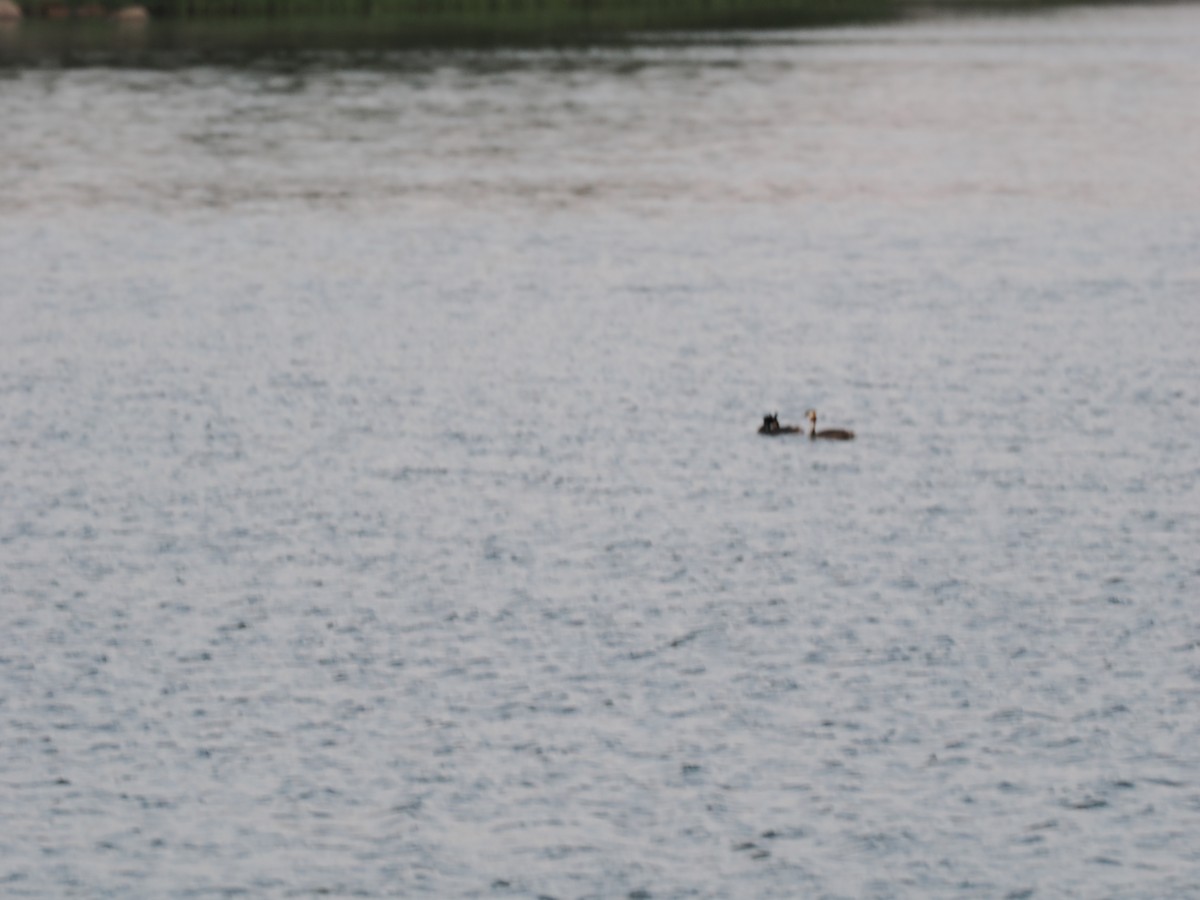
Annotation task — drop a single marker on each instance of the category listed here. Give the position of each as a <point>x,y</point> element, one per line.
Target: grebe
<point>771,426</point>
<point>829,434</point>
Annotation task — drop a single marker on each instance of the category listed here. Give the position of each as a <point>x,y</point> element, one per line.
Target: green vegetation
<point>84,29</point>
<point>619,13</point>
<point>79,28</point>
<point>614,11</point>
<point>515,17</point>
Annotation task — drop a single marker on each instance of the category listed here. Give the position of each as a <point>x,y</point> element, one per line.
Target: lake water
<point>382,511</point>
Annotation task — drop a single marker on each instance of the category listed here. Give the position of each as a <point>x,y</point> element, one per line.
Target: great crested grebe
<point>829,434</point>
<point>771,426</point>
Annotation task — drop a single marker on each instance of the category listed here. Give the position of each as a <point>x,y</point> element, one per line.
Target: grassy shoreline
<point>97,30</point>
<point>461,10</point>
<point>616,11</point>
<point>79,30</point>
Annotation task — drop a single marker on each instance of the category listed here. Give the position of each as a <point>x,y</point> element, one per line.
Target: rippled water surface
<point>382,513</point>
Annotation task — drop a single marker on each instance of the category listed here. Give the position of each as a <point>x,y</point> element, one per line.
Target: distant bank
<point>620,13</point>
<point>81,29</point>
<point>616,11</point>
<point>85,31</point>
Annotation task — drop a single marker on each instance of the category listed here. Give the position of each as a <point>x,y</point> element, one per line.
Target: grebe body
<point>829,434</point>
<point>771,426</point>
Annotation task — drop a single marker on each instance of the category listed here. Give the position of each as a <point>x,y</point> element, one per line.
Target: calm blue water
<point>382,513</point>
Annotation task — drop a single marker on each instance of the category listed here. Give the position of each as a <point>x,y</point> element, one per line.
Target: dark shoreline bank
<point>86,32</point>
